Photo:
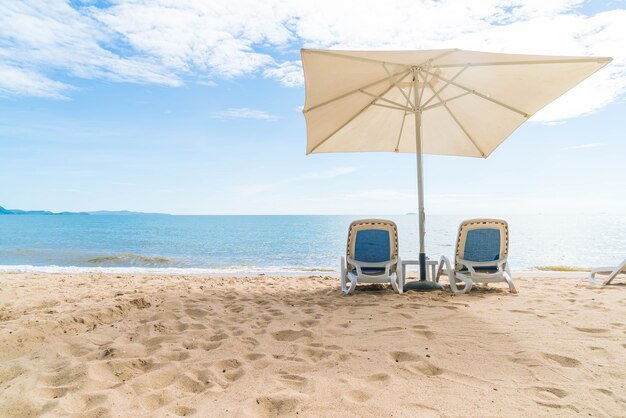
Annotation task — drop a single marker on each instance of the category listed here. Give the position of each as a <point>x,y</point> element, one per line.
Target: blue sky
<point>193,107</point>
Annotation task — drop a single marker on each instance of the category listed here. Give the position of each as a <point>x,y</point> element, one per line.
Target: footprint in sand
<point>358,395</point>
<point>428,334</point>
<point>153,401</point>
<point>76,403</point>
<point>210,346</point>
<point>426,368</point>
<point>182,411</point>
<point>316,354</point>
<point>416,363</point>
<point>291,335</point>
<point>119,370</point>
<point>294,381</point>
<point>378,378</point>
<point>98,412</point>
<point>275,405</point>
<point>218,337</point>
<point>389,329</point>
<point>230,369</point>
<point>196,313</point>
<point>334,347</point>
<point>157,379</point>
<point>308,323</point>
<point>402,356</point>
<point>255,356</point>
<point>562,360</point>
<point>592,330</point>
<point>549,393</point>
<point>188,384</point>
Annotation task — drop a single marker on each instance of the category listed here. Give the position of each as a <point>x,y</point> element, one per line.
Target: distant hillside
<point>4,211</point>
<point>121,213</point>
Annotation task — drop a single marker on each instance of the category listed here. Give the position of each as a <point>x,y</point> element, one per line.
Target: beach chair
<point>371,255</point>
<point>482,248</point>
<point>611,273</point>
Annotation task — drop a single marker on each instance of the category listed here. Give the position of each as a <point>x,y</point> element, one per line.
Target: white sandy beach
<point>110,345</point>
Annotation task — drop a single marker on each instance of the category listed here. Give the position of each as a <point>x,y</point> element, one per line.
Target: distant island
<point>4,211</point>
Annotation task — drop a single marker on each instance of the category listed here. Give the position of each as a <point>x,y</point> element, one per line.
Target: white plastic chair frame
<point>611,273</point>
<point>348,263</point>
<point>470,276</point>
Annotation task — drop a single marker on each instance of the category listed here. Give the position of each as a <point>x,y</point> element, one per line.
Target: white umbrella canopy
<point>443,102</point>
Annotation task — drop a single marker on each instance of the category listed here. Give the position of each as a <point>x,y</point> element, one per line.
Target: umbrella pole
<point>420,187</point>
<point>420,173</point>
<point>422,285</point>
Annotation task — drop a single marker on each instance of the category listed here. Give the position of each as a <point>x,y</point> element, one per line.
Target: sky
<point>194,107</point>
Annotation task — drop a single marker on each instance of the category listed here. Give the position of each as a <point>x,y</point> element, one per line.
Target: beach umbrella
<point>442,102</point>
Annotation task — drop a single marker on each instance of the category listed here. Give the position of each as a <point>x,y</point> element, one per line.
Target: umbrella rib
<point>400,106</point>
<point>402,73</point>
<point>599,60</point>
<point>395,83</point>
<point>445,101</point>
<point>447,84</point>
<point>483,96</point>
<point>464,131</point>
<point>343,125</point>
<point>393,107</point>
<point>401,129</point>
<point>424,77</point>
<point>458,123</point>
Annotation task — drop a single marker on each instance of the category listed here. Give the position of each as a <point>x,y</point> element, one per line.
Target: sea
<point>277,244</point>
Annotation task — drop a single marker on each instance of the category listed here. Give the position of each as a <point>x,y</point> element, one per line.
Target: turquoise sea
<point>270,244</point>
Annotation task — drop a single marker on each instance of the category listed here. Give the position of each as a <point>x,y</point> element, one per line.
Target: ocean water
<point>277,244</point>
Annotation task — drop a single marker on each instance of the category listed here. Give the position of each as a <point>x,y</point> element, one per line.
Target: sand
<point>107,345</point>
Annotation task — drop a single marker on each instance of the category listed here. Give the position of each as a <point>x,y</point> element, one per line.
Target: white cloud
<point>243,113</point>
<point>175,41</point>
<point>24,82</point>
<point>289,73</point>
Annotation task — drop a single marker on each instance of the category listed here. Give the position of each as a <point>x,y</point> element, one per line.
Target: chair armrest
<point>365,264</point>
<point>471,264</point>
<point>360,264</point>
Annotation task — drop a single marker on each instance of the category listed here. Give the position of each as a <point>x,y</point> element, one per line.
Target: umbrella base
<point>422,286</point>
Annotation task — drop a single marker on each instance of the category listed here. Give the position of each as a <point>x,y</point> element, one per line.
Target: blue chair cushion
<point>372,271</point>
<point>482,245</point>
<point>372,246</point>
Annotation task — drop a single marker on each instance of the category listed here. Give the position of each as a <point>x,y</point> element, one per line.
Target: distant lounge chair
<point>612,272</point>
<point>371,255</point>
<point>482,248</point>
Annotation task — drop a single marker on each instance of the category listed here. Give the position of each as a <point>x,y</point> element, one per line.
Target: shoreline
<point>201,271</point>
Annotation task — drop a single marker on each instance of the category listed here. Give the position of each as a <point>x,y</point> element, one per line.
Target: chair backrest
<point>482,240</point>
<point>372,241</point>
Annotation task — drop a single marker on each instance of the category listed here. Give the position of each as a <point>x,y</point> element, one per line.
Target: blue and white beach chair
<point>482,248</point>
<point>371,255</point>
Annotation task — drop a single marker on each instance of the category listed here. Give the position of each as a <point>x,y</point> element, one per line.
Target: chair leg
<point>352,286</point>
<point>344,275</point>
<point>396,284</point>
<point>453,279</point>
<point>509,280</point>
<point>468,284</point>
